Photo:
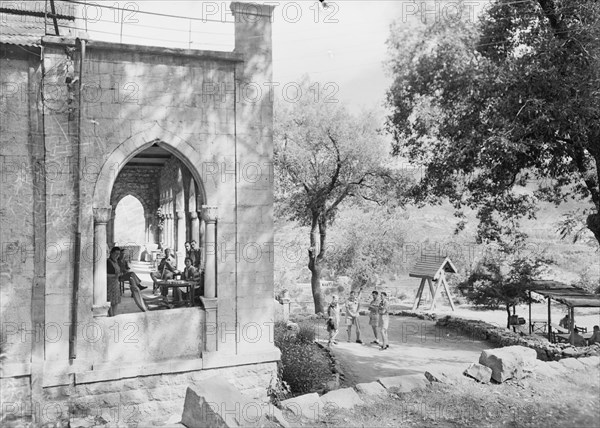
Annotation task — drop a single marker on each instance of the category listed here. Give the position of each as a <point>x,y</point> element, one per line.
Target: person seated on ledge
<point>565,322</point>
<point>595,337</point>
<point>166,270</point>
<point>127,274</point>
<point>579,339</point>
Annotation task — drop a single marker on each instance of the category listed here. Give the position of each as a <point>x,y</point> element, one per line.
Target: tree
<point>324,156</point>
<point>502,277</point>
<point>490,108</point>
<point>367,252</point>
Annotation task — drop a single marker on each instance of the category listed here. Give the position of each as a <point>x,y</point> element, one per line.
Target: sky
<point>342,47</point>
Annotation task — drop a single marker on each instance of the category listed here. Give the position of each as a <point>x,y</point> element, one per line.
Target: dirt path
<point>415,345</point>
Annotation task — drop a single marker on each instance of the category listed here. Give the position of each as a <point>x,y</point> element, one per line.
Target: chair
<point>148,303</point>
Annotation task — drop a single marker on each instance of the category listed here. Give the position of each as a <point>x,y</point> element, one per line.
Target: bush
<point>303,366</point>
<point>306,333</point>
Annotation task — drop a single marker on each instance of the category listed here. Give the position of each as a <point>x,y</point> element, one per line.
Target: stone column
<point>101,218</point>
<point>195,236</point>
<point>168,222</point>
<point>180,240</point>
<point>209,215</point>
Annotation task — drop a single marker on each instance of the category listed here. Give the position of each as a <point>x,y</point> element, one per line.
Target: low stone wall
<point>500,336</point>
<point>139,401</point>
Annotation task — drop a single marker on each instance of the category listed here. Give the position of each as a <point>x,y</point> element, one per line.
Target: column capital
<point>193,215</point>
<point>210,213</point>
<point>100,310</point>
<point>102,215</point>
<point>180,214</point>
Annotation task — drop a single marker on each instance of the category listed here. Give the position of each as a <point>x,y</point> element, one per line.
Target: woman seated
<point>127,274</point>
<point>190,273</point>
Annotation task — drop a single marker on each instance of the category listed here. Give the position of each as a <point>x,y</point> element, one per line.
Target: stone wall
<point>499,336</point>
<point>137,401</point>
<point>131,98</point>
<point>140,182</point>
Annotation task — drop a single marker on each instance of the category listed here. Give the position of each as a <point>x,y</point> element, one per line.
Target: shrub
<point>303,366</point>
<point>306,333</point>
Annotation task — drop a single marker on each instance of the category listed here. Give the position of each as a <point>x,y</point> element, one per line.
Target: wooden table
<point>179,283</point>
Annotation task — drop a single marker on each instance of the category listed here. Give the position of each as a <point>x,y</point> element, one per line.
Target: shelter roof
<point>431,266</point>
<point>567,294</point>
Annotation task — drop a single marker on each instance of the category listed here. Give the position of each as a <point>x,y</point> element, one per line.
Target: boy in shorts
<point>374,315</point>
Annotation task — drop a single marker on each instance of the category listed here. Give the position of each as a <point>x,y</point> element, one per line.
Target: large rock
<point>345,398</point>
<point>371,389</point>
<point>479,372</point>
<point>443,374</point>
<point>571,363</point>
<point>306,406</point>
<point>508,362</point>
<point>217,403</point>
<point>593,361</point>
<point>405,383</point>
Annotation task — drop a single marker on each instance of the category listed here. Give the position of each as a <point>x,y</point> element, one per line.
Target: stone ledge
<point>212,360</point>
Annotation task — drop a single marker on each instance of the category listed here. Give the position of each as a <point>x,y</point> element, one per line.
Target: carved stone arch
<point>115,201</point>
<point>128,149</point>
<point>101,199</point>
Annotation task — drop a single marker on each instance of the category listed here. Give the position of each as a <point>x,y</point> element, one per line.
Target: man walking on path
<point>352,315</point>
<point>374,315</point>
<point>384,320</point>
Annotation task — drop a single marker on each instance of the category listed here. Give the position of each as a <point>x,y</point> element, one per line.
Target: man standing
<point>352,315</point>
<point>166,270</point>
<point>384,320</point>
<point>197,255</point>
<point>374,315</point>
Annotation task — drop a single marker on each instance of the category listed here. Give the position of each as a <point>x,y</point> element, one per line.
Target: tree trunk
<point>508,318</point>
<point>593,223</point>
<point>314,264</point>
<point>315,281</point>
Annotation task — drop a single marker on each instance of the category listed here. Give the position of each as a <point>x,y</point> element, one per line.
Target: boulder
<point>571,363</point>
<point>217,403</point>
<point>371,389</point>
<point>345,398</point>
<point>304,406</point>
<point>545,369</point>
<point>479,372</point>
<point>590,361</point>
<point>557,367</point>
<point>508,362</point>
<point>441,374</point>
<point>405,383</point>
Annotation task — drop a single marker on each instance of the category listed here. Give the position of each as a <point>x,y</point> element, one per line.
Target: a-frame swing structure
<point>432,269</point>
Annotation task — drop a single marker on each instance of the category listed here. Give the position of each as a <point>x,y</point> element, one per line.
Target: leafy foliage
<point>502,277</point>
<point>500,104</point>
<point>303,367</point>
<point>324,155</point>
<point>368,244</point>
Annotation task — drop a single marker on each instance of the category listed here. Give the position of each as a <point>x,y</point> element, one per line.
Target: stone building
<point>85,123</point>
